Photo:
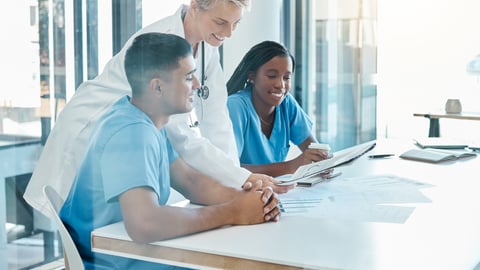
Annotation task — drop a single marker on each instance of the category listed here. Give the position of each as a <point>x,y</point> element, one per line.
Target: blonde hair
<point>207,4</point>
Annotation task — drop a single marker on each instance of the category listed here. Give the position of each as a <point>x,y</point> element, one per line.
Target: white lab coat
<point>213,152</point>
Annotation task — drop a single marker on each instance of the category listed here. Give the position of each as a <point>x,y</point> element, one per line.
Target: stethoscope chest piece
<point>203,92</point>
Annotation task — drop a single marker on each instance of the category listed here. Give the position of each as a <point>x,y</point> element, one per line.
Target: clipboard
<point>309,182</point>
<point>339,158</point>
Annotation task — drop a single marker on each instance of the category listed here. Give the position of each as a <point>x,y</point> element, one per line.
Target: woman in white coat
<point>204,139</point>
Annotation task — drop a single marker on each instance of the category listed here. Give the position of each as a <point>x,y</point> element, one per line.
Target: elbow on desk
<point>142,233</point>
<point>148,232</point>
<point>137,235</point>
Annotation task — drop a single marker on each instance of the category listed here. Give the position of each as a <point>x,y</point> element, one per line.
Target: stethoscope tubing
<point>203,92</point>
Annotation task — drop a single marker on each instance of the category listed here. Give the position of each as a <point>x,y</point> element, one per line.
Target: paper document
<point>364,212</point>
<point>373,198</point>
<point>339,158</point>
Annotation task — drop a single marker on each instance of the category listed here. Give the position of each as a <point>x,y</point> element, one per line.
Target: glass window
<point>53,48</point>
<point>21,68</point>
<point>345,64</point>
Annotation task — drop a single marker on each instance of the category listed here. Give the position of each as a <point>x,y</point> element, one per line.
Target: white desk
<point>443,234</point>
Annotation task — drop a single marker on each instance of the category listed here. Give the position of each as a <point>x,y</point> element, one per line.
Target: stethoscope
<point>203,92</point>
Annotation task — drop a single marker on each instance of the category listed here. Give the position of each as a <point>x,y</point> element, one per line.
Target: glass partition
<point>342,100</point>
<point>51,47</point>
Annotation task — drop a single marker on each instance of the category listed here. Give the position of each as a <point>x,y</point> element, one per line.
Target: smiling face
<point>177,90</point>
<point>272,80</point>
<point>218,22</point>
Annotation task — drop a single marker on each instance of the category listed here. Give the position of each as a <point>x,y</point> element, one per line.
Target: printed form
<point>375,198</point>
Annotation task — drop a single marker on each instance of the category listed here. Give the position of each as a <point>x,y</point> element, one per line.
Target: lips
<point>277,93</point>
<point>218,38</point>
<point>277,96</point>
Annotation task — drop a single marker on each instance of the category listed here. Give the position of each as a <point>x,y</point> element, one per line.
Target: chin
<point>215,42</point>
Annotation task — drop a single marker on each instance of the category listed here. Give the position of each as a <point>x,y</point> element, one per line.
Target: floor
<point>27,253</point>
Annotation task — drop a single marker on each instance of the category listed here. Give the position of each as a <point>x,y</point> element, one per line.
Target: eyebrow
<point>191,72</point>
<point>226,21</point>
<point>278,71</point>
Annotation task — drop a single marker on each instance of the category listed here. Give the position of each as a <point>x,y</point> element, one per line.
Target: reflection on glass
<point>346,54</point>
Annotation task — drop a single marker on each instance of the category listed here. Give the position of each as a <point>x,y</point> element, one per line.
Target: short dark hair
<point>152,54</point>
<point>256,57</point>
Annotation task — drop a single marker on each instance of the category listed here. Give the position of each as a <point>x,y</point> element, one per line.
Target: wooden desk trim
<point>174,255</point>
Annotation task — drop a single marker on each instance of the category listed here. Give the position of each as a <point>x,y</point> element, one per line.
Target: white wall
<point>261,23</point>
<point>153,10</point>
<point>423,50</point>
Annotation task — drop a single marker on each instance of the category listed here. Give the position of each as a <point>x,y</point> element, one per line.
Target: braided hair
<point>256,57</point>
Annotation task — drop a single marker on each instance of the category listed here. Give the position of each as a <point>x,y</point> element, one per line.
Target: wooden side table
<point>434,128</point>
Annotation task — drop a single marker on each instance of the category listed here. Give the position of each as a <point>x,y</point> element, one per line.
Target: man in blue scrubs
<point>129,165</point>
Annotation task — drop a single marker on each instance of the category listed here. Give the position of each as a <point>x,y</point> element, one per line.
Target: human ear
<point>156,85</point>
<point>251,77</point>
<point>194,5</point>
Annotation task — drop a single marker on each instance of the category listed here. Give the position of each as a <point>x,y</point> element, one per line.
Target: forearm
<point>304,145</point>
<point>203,190</point>
<point>197,187</point>
<point>272,169</point>
<point>167,222</point>
<point>147,221</point>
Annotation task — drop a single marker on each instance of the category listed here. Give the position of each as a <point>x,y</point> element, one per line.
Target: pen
<point>280,206</point>
<point>381,156</point>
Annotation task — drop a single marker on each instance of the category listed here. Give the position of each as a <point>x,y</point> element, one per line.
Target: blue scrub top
<point>291,124</point>
<point>126,151</point>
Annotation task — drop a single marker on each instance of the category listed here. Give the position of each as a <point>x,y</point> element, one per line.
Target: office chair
<point>70,253</point>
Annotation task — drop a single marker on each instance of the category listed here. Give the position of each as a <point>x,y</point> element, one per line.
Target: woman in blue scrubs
<point>265,117</point>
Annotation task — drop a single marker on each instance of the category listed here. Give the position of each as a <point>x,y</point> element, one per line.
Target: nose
<point>281,84</point>
<point>195,83</point>
<point>229,30</point>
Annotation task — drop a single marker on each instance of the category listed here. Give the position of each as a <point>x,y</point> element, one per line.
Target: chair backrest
<point>71,256</point>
